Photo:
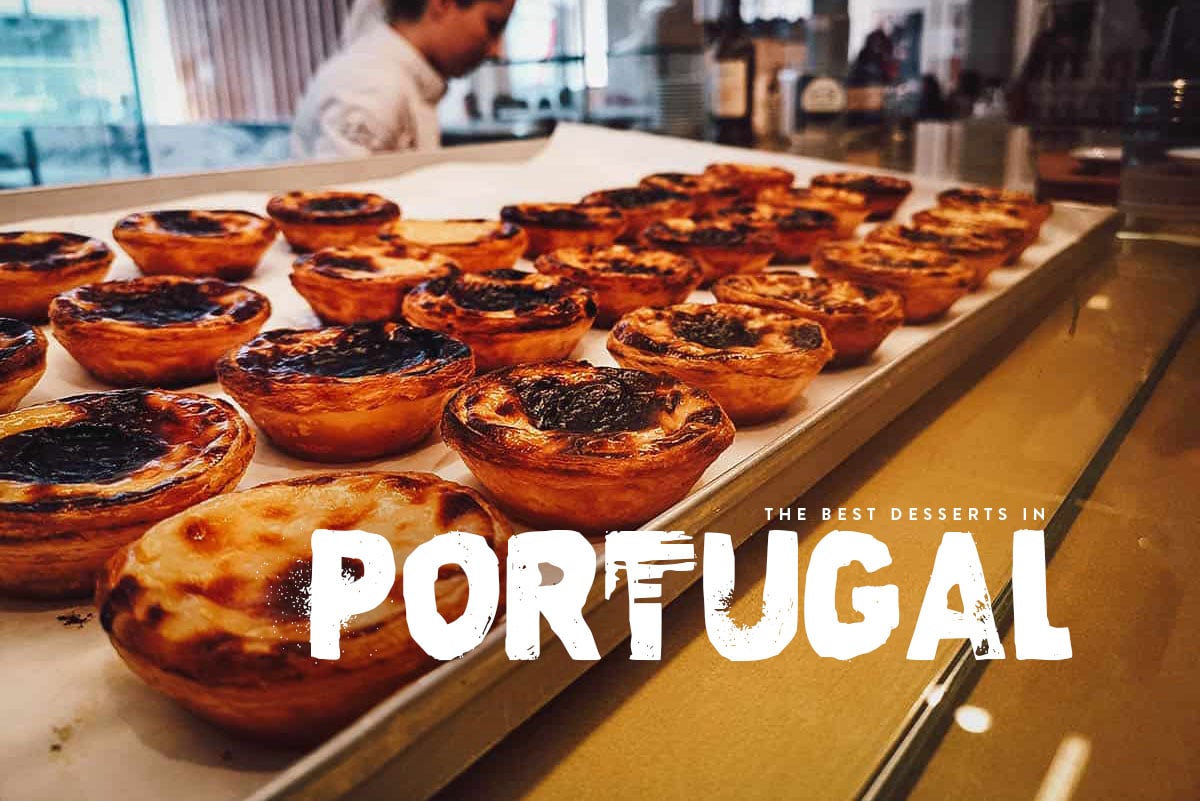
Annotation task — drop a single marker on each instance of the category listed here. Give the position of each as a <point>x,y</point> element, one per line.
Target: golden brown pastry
<point>988,197</point>
<point>211,607</point>
<point>345,394</point>
<point>197,244</point>
<point>365,282</point>
<point>163,331</point>
<point>506,316</point>
<point>929,281</point>
<point>315,220</point>
<point>848,208</point>
<point>753,362</point>
<point>706,193</point>
<point>884,193</point>
<point>750,179</point>
<point>36,266</point>
<point>642,206</point>
<point>623,277</point>
<point>82,476</point>
<point>855,318</point>
<point>1009,224</point>
<point>981,249</point>
<point>720,245</point>
<point>797,230</point>
<point>22,361</point>
<point>541,437</point>
<point>564,225</point>
<point>474,245</point>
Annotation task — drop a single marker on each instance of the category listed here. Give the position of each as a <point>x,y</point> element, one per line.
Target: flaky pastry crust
<point>82,476</point>
<point>35,266</point>
<point>544,437</point>
<point>163,330</point>
<point>624,277</point>
<point>641,206</point>
<point>850,209</point>
<point>884,193</point>
<point>750,179</point>
<point>22,361</point>
<point>196,243</point>
<point>1008,223</point>
<point>797,230</point>
<point>551,226</point>
<point>344,394</point>
<point>753,362</point>
<point>211,607</point>
<point>981,249</point>
<point>315,220</point>
<point>707,193</point>
<point>720,244</point>
<point>929,281</point>
<point>365,282</point>
<point>475,245</point>
<point>855,318</point>
<point>506,316</point>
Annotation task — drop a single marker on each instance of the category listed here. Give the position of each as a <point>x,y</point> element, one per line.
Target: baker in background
<point>380,91</point>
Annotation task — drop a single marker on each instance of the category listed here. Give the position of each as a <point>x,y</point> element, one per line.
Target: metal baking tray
<point>85,721</point>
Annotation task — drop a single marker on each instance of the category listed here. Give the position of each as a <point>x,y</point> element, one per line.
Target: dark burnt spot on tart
<point>713,329</point>
<point>154,302</point>
<point>121,599</point>
<point>77,453</point>
<point>49,251</point>
<point>332,208</point>
<point>331,261</point>
<point>17,338</point>
<point>564,216</point>
<point>865,183</point>
<point>806,336</point>
<point>337,204</point>
<point>613,400</point>
<point>454,505</point>
<point>509,290</point>
<point>634,197</point>
<point>188,223</point>
<point>351,352</point>
<point>803,219</point>
<point>353,569</point>
<point>636,339</point>
<point>29,253</point>
<point>288,594</point>
<point>632,267</point>
<point>200,537</point>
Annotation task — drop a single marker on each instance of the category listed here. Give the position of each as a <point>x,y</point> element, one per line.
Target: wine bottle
<point>731,79</point>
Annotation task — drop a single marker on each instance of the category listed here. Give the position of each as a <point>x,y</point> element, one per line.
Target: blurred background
<point>116,88</point>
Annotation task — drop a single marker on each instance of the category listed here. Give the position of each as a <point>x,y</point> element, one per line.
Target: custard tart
<point>365,282</point>
<point>848,208</point>
<point>641,206</point>
<point>212,606</point>
<point>720,245</point>
<point>982,250</point>
<point>593,449</point>
<point>22,361</point>
<point>344,394</point>
<point>988,197</point>
<point>855,318</point>
<point>884,193</point>
<point>163,330</point>
<point>624,278</point>
<point>1008,223</point>
<point>753,362</point>
<point>36,266</point>
<point>197,244</point>
<point>797,230</point>
<point>707,194</point>
<point>82,476</point>
<point>315,220</point>
<point>929,281</point>
<point>551,226</point>
<point>474,245</point>
<point>750,179</point>
<point>506,316</point>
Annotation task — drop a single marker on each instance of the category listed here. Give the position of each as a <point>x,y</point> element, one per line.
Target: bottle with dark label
<point>822,89</point>
<point>730,60</point>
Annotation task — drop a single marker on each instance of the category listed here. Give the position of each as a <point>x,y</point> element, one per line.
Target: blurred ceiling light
<point>974,719</point>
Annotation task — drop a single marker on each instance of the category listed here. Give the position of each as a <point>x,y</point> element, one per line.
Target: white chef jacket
<point>377,94</point>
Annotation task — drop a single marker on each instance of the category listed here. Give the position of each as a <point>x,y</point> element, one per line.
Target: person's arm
<point>346,129</point>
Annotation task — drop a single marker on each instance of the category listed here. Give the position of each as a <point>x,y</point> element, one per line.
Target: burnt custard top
<point>755,176</point>
<point>878,257</point>
<point>785,218</point>
<point>570,413</point>
<point>634,198</point>
<point>220,592</point>
<point>202,224</point>
<point>377,259</point>
<point>332,208</point>
<point>20,347</point>
<point>864,182</point>
<point>622,263</point>
<point>814,197</point>
<point>1005,220</point>
<point>723,332</point>
<point>711,232</point>
<point>345,353</point>
<point>977,196</point>
<point>505,300</point>
<point>159,302</point>
<point>110,448</point>
<point>563,216</point>
<point>956,239</point>
<point>788,290</point>
<point>38,251</point>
